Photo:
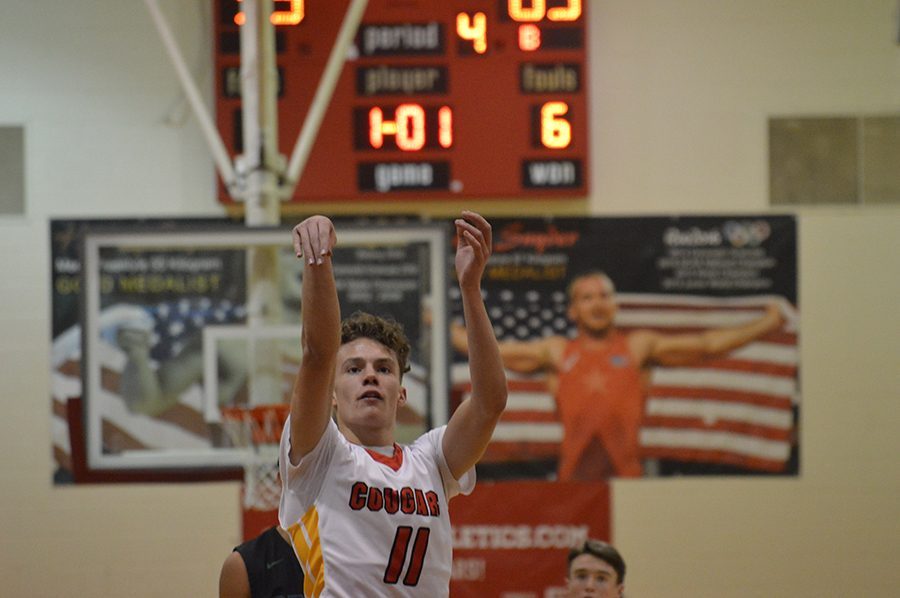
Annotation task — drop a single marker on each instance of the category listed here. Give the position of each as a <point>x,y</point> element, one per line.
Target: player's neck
<point>368,437</point>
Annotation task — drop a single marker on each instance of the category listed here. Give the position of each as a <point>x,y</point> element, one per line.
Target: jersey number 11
<point>398,555</point>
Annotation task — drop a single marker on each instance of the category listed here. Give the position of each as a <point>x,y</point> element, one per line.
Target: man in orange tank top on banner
<point>599,377</point>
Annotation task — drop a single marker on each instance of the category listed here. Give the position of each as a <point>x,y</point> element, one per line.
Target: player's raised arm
<point>684,349</point>
<point>472,425</point>
<point>314,239</point>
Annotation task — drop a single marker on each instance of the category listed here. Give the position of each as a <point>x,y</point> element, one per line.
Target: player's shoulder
<point>255,545</point>
<point>428,437</point>
<point>429,443</point>
<point>233,579</point>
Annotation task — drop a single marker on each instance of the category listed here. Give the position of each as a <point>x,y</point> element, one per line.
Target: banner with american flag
<point>169,316</point>
<point>735,413</point>
<point>732,413</point>
<point>166,296</point>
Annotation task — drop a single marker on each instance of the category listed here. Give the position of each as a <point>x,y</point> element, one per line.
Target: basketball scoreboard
<point>437,99</point>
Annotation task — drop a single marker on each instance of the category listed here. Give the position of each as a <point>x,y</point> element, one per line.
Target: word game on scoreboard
<point>437,98</point>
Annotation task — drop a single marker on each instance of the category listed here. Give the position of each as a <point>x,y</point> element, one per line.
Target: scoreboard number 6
<point>556,131</point>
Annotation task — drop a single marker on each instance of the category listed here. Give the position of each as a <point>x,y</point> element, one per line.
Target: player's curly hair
<point>386,331</point>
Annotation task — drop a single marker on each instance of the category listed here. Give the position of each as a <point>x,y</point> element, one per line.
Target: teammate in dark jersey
<point>264,567</point>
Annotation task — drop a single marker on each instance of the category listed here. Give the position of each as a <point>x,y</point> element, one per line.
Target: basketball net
<point>257,430</point>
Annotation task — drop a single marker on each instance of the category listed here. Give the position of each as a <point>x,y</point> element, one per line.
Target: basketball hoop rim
<point>262,423</point>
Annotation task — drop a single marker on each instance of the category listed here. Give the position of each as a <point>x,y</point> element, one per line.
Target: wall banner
<point>675,352</point>
<point>512,539</point>
<point>152,336</point>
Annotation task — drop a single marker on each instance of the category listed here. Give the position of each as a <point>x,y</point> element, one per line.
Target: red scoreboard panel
<point>438,98</point>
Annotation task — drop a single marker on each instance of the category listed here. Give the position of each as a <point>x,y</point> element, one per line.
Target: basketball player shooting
<point>366,516</point>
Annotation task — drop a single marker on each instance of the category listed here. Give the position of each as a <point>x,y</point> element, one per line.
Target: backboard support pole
<point>213,139</point>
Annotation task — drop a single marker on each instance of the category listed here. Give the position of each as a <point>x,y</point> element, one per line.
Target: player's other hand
<point>314,238</point>
<point>473,248</point>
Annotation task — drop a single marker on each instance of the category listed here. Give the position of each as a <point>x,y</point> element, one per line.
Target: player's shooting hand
<point>473,248</point>
<point>314,238</point>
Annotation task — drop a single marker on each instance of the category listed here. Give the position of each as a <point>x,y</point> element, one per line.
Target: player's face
<point>592,306</point>
<point>367,384</point>
<point>592,577</point>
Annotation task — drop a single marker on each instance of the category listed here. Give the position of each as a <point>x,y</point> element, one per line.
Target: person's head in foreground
<point>371,361</point>
<point>596,569</point>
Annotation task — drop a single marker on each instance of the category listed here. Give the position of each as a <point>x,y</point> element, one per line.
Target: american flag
<point>737,411</point>
<point>172,325</point>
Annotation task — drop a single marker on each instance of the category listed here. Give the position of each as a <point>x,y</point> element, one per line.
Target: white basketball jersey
<point>364,524</point>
